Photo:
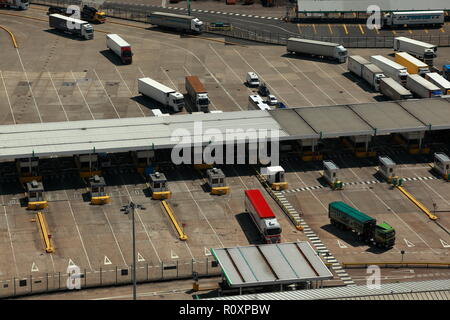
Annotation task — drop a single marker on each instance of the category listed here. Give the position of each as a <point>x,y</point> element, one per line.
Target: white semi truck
<point>390,68</point>
<point>162,94</point>
<point>355,64</point>
<point>176,21</point>
<point>317,48</point>
<point>394,90</point>
<point>422,87</point>
<point>15,4</point>
<point>421,50</point>
<point>120,47</point>
<point>373,74</point>
<point>439,81</point>
<point>77,27</point>
<point>429,18</point>
<point>197,93</point>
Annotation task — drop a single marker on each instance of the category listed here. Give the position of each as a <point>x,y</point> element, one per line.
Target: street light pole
<point>189,7</point>
<point>133,206</point>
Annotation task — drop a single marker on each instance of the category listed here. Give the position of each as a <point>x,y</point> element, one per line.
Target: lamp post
<point>189,7</point>
<point>126,209</point>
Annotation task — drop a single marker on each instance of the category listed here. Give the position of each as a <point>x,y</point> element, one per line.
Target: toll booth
<point>309,150</point>
<point>143,159</point>
<point>88,165</point>
<point>28,169</point>
<point>331,175</point>
<point>360,146</point>
<point>275,177</point>
<point>442,165</point>
<point>35,195</point>
<point>97,189</point>
<point>158,186</point>
<point>387,169</point>
<point>216,181</point>
<point>412,142</point>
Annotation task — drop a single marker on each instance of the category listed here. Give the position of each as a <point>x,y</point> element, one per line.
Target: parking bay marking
<point>444,244</point>
<point>107,261</point>
<point>409,243</point>
<point>34,267</point>
<point>173,255</point>
<point>140,257</point>
<point>341,245</point>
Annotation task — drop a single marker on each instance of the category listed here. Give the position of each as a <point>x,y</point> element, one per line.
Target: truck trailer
<point>439,81</point>
<point>77,27</point>
<point>390,68</point>
<point>413,65</point>
<point>162,94</point>
<point>263,216</point>
<point>176,21</point>
<point>15,4</point>
<point>120,47</point>
<point>418,49</point>
<point>372,74</point>
<point>364,227</point>
<point>394,90</point>
<point>355,64</point>
<point>422,87</point>
<point>317,48</point>
<point>413,18</point>
<point>197,93</point>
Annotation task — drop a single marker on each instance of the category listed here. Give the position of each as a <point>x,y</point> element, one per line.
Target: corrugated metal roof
<point>269,264</point>
<point>386,291</point>
<point>362,5</point>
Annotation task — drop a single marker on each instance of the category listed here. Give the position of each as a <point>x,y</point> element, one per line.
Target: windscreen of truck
<point>343,53</point>
<point>89,30</point>
<point>126,53</point>
<point>179,101</point>
<point>203,101</point>
<point>273,231</point>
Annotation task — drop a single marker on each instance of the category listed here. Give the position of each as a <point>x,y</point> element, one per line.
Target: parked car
<point>272,100</point>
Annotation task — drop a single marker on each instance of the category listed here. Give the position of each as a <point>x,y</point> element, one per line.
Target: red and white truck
<point>262,216</point>
<point>119,47</point>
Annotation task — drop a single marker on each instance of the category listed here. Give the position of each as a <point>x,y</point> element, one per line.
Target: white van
<point>252,79</point>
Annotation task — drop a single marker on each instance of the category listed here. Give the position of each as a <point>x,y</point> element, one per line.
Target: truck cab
<point>203,102</point>
<point>87,31</point>
<point>252,79</point>
<point>384,235</point>
<point>22,4</point>
<point>272,230</point>
<point>196,25</point>
<point>341,54</point>
<point>446,71</point>
<point>176,101</point>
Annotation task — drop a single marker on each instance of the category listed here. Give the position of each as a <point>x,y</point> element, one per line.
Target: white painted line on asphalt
<point>57,94</point>
<point>128,88</point>
<point>106,92</point>
<point>79,89</point>
<point>282,75</point>
<point>140,258</point>
<point>78,230</point>
<point>106,261</point>
<point>34,267</point>
<point>140,219</point>
<point>10,240</point>
<point>29,85</point>
<point>7,97</point>
<point>115,238</point>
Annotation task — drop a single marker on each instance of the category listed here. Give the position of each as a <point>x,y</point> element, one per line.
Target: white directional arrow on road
<point>107,261</point>
<point>140,257</point>
<point>173,255</point>
<point>207,252</point>
<point>71,264</point>
<point>34,267</point>
<point>409,243</point>
<point>444,244</point>
<point>341,245</point>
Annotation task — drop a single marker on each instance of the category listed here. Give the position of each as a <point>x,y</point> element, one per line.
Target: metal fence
<point>139,13</point>
<point>38,283</point>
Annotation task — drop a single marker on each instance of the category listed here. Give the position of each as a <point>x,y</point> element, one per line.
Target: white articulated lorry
<point>422,87</point>
<point>415,18</point>
<point>176,21</point>
<point>418,49</point>
<point>77,27</point>
<point>317,48</point>
<point>355,64</point>
<point>15,4</point>
<point>390,68</point>
<point>162,94</point>
<point>394,90</point>
<point>120,47</point>
<point>197,93</point>
<point>439,81</point>
<point>372,74</point>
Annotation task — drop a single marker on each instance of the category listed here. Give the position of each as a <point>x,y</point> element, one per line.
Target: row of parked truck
<point>405,76</point>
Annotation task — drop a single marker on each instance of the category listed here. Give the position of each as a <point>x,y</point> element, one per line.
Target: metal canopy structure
<point>388,290</point>
<point>312,6</point>
<point>271,264</point>
<point>133,134</point>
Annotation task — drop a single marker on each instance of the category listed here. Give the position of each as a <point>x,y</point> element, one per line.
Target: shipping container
<point>317,48</point>
<point>390,68</point>
<point>394,90</point>
<point>176,21</point>
<point>439,81</point>
<point>419,49</point>
<point>373,74</point>
<point>355,64</point>
<point>412,64</point>
<point>422,87</point>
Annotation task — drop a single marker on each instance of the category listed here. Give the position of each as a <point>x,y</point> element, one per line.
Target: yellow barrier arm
<point>43,229</point>
<point>418,204</point>
<point>169,211</point>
